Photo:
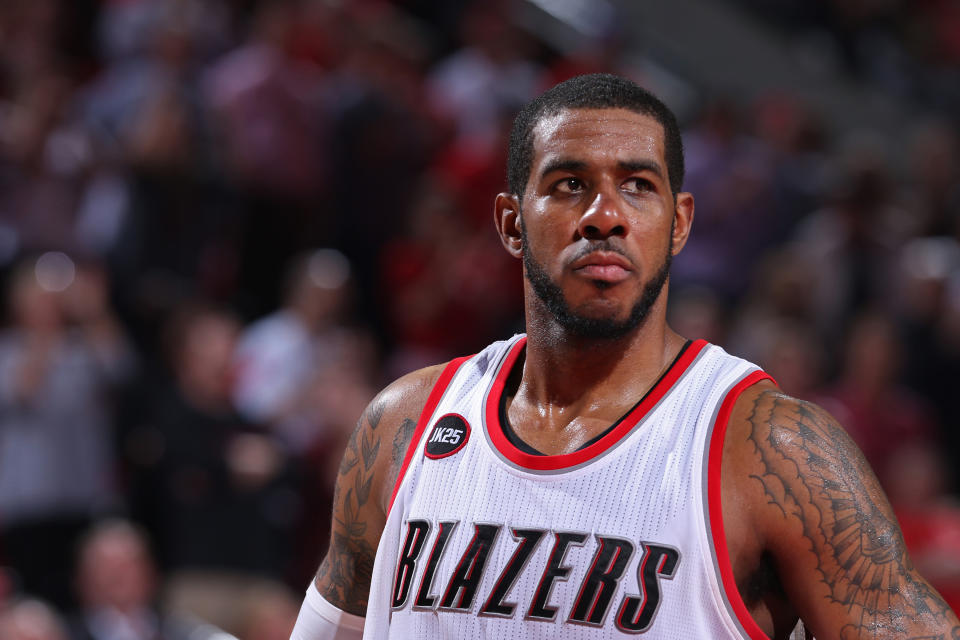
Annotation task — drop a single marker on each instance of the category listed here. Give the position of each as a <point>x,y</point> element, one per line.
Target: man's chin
<point>597,326</point>
<point>601,314</point>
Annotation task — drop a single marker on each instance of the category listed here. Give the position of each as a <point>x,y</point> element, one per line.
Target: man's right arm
<point>365,482</point>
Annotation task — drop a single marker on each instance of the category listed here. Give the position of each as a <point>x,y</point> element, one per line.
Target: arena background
<point>224,224</point>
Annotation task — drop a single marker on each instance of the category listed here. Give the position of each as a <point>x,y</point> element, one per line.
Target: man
<point>116,583</point>
<point>602,476</point>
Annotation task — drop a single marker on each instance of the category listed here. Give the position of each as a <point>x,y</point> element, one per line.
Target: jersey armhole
<point>728,585</point>
<point>439,387</point>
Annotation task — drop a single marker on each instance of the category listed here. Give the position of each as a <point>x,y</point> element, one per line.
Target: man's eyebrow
<point>632,166</point>
<point>563,164</point>
<point>637,166</point>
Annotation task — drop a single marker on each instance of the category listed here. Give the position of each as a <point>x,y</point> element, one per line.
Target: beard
<point>581,326</point>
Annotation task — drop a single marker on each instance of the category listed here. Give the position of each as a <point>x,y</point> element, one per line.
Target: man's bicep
<point>368,471</point>
<point>832,531</point>
<point>358,517</point>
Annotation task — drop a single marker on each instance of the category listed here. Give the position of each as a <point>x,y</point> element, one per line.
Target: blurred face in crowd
<point>205,356</point>
<point>270,616</point>
<point>34,307</point>
<point>115,571</point>
<point>598,222</point>
<point>31,620</point>
<point>319,288</point>
<point>873,352</point>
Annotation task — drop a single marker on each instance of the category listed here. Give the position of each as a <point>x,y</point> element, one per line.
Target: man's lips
<point>608,267</point>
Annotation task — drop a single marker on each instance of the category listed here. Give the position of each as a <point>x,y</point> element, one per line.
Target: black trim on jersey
<point>596,594</point>
<point>636,613</point>
<point>424,600</point>
<point>510,434</point>
<point>555,572</point>
<point>516,441</point>
<point>469,572</point>
<point>417,531</point>
<point>528,541</point>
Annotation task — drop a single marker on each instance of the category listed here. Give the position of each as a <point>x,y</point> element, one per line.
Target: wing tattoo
<point>811,470</point>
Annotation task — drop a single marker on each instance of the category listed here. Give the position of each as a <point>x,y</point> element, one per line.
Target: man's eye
<point>569,185</point>
<point>638,184</point>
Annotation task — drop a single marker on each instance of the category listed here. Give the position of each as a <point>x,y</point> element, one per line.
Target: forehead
<point>617,134</point>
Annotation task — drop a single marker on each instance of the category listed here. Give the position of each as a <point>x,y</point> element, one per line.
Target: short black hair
<point>592,91</point>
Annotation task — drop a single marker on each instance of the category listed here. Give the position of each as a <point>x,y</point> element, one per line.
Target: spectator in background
<point>264,110</point>
<point>6,588</point>
<point>792,353</point>
<point>446,287</point>
<point>933,190</point>
<point>782,289</point>
<point>280,356</point>
<point>61,358</point>
<point>794,137</point>
<point>881,415</point>
<point>306,373</point>
<point>696,311</point>
<point>379,118</point>
<point>44,157</point>
<point>268,614</point>
<point>928,516</point>
<point>148,191</point>
<point>494,70</point>
<point>116,582</point>
<point>31,619</point>
<point>214,490</point>
<point>178,226</point>
<point>850,244</point>
<point>928,302</point>
<point>732,173</point>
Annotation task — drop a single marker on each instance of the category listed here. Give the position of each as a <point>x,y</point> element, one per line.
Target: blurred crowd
<point>908,48</point>
<point>224,224</point>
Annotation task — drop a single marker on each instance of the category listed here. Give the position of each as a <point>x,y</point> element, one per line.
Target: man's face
<point>598,220</point>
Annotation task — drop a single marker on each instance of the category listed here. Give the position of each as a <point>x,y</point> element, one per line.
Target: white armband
<point>320,620</point>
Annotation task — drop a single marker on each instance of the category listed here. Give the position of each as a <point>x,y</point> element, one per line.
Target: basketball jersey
<point>485,539</point>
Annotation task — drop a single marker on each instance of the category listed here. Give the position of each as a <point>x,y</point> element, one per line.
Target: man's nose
<point>603,218</point>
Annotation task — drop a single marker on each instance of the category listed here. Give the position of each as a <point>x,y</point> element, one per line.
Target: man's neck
<point>568,379</point>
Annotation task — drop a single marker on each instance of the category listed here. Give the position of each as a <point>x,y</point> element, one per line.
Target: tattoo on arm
<point>954,635</point>
<point>401,442</point>
<point>348,566</point>
<point>812,471</point>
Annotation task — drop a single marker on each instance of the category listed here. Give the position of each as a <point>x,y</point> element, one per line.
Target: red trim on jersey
<point>432,401</point>
<point>729,585</point>
<point>562,461</point>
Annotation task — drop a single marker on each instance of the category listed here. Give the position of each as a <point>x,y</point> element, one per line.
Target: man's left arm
<point>825,521</point>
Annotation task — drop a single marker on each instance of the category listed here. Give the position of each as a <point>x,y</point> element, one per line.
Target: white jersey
<point>485,539</point>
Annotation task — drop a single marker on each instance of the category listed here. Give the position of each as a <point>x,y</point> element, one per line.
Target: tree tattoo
<point>348,566</point>
<point>811,470</point>
<point>347,569</point>
<point>401,442</point>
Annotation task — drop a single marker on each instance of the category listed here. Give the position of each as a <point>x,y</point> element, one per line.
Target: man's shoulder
<point>790,462</point>
<point>765,418</point>
<point>389,423</point>
<point>408,394</point>
<point>392,416</point>
<point>764,404</point>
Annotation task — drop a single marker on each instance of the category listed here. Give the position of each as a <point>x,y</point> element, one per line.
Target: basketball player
<point>602,476</point>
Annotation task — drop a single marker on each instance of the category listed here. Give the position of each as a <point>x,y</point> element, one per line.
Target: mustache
<point>595,246</point>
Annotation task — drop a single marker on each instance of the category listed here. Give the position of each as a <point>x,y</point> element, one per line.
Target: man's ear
<point>682,220</point>
<point>506,215</point>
